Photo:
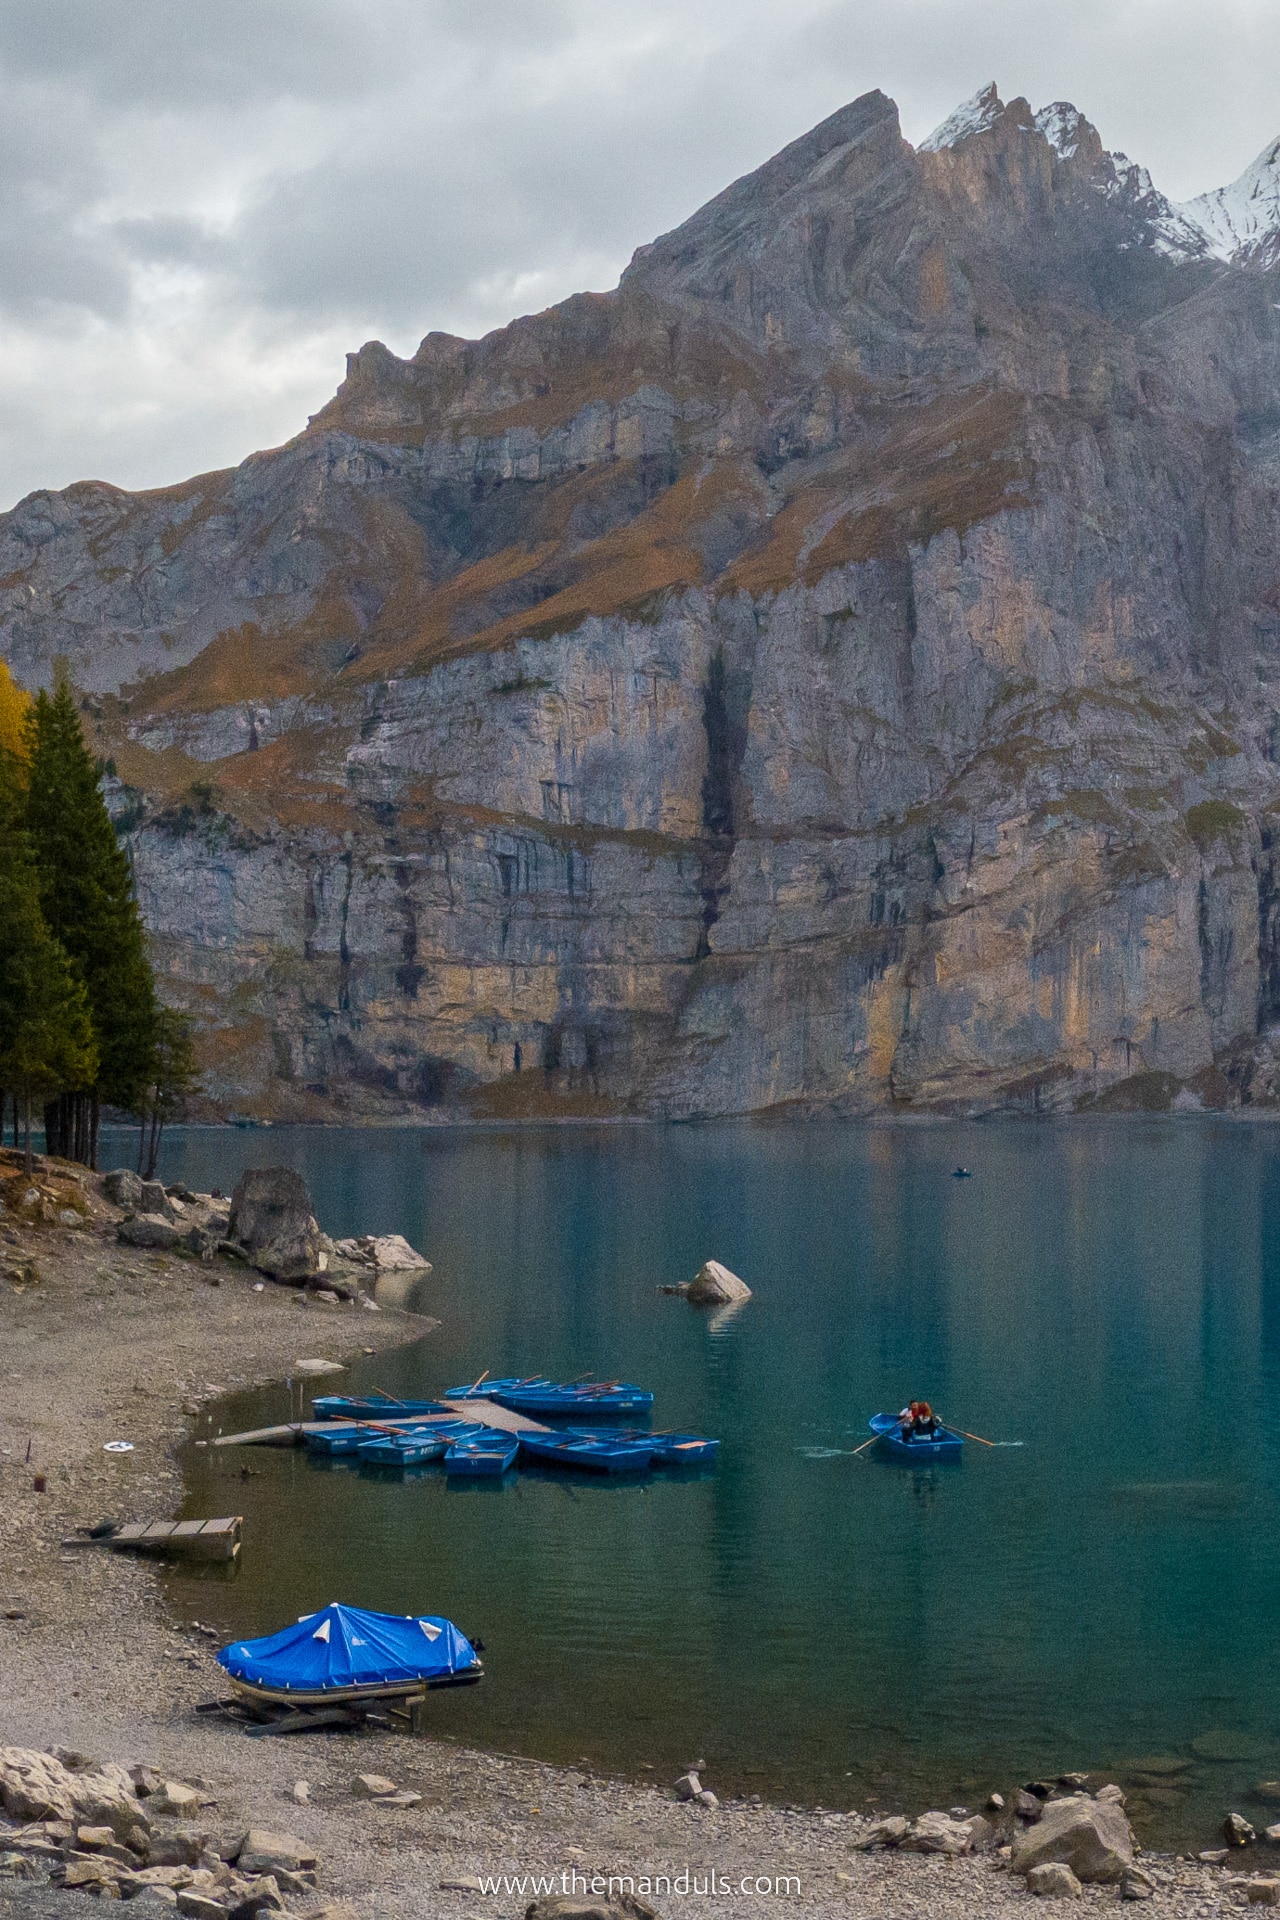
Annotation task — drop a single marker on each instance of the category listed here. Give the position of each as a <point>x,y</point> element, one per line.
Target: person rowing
<point>917,1421</point>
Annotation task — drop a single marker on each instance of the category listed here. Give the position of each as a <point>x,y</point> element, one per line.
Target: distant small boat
<point>587,1450</point>
<point>346,1655</point>
<point>614,1399</point>
<point>338,1406</point>
<point>944,1445</point>
<point>961,1173</point>
<point>487,1454</point>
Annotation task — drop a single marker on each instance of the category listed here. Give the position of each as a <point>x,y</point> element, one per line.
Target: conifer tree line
<point>80,1024</point>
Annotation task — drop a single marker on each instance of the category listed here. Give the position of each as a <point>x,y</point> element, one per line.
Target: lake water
<point>819,1627</point>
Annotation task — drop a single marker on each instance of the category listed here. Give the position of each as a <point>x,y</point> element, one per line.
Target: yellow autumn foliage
<point>15,704</point>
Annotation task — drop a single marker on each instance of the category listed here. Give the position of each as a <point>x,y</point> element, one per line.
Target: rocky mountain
<point>839,669</point>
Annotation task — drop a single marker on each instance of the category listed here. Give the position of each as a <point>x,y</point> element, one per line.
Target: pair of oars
<point>964,1430</point>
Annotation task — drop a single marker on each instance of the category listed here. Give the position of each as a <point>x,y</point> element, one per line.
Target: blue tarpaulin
<point>342,1647</point>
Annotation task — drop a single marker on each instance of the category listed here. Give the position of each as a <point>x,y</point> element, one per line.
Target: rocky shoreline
<point>108,1341</point>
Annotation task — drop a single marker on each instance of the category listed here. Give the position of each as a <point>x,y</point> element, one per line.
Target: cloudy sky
<point>205,206</point>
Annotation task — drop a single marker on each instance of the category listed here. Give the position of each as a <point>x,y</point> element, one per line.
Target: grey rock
<point>996,1802</point>
<point>1026,1805</point>
<point>1262,1892</point>
<point>1268,1790</point>
<point>181,1847</point>
<point>154,1199</point>
<point>1054,1880</point>
<point>1236,1830</point>
<point>271,1219</point>
<point>1212,1856</point>
<point>1272,1835</point>
<point>938,1833</point>
<point>263,1852</point>
<point>148,1230</point>
<point>1090,1836</point>
<point>688,1786</point>
<point>123,1187</point>
<point>889,1832</point>
<point>198,1905</point>
<point>1136,1885</point>
<point>714,1286</point>
<point>616,1906</point>
<point>707,1799</point>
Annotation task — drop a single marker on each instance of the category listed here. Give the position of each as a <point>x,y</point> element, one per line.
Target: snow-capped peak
<point>1172,231</point>
<point>1242,222</point>
<point>974,116</point>
<point>1060,124</point>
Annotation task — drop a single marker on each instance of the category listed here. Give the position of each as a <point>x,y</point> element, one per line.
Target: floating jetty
<point>293,1433</point>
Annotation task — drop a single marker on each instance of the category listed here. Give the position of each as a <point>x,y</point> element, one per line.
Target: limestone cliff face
<point>838,670</point>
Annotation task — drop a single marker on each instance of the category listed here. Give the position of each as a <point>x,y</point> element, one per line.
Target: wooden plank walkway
<point>293,1432</point>
<point>186,1539</point>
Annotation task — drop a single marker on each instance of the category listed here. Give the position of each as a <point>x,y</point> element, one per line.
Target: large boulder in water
<point>1092,1837</point>
<point>714,1286</point>
<point>271,1219</point>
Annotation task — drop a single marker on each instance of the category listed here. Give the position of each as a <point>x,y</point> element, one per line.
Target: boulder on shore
<point>271,1219</point>
<point>615,1905</point>
<point>148,1230</point>
<point>714,1286</point>
<point>1092,1837</point>
<point>36,1786</point>
<point>123,1187</point>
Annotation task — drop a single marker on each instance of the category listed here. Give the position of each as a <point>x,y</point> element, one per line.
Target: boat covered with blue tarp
<point>345,1653</point>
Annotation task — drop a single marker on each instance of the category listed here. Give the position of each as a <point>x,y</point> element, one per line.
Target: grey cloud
<point>181,176</point>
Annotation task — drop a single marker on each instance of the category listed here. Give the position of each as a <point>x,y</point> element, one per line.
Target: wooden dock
<point>183,1539</point>
<point>292,1433</point>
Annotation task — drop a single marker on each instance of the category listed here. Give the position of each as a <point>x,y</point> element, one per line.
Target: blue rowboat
<point>573,1402</point>
<point>350,1436</point>
<point>944,1445</point>
<point>345,1654</point>
<point>338,1406</point>
<point>671,1449</point>
<point>592,1452</point>
<point>416,1444</point>
<point>486,1389</point>
<point>488,1453</point>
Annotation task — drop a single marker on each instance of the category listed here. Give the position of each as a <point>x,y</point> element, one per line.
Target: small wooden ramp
<point>292,1433</point>
<point>182,1539</point>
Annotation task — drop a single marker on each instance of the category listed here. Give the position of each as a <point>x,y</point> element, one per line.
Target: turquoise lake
<point>818,1627</point>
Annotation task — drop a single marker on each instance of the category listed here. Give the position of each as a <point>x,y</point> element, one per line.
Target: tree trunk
<point>95,1121</point>
<point>26,1111</point>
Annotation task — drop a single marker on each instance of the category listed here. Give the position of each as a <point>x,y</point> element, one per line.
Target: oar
<point>866,1443</point>
<point>390,1398</point>
<point>973,1436</point>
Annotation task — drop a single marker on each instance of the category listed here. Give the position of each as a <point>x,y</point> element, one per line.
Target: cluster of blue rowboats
<point>430,1430</point>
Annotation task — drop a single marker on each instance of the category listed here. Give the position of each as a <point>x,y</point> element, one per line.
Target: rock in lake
<point>1236,1830</point>
<point>1092,1837</point>
<point>714,1286</point>
<point>271,1219</point>
<point>1055,1880</point>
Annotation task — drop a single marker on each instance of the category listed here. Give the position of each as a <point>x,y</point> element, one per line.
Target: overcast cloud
<point>205,206</point>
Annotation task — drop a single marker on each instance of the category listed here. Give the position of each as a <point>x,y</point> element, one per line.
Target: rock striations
<point>839,669</point>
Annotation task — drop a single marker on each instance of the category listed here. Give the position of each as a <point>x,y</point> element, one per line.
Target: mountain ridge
<point>837,670</point>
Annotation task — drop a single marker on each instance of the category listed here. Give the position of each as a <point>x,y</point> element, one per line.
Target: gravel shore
<point>103,1342</point>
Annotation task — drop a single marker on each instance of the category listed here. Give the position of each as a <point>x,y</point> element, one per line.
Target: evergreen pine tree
<point>47,1044</point>
<point>173,1070</point>
<point>86,891</point>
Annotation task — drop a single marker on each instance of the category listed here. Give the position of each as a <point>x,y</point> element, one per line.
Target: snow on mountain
<point>1241,223</point>
<point>974,116</point>
<point>1173,230</point>
<point>1060,124</point>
